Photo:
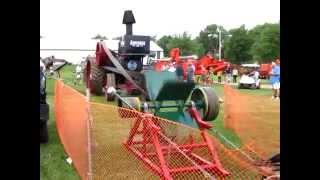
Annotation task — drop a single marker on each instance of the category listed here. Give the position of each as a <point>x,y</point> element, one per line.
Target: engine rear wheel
<point>96,77</point>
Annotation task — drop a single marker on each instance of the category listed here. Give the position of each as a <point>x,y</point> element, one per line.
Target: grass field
<point>53,163</point>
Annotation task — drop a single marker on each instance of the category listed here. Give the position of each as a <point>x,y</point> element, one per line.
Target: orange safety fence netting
<point>112,156</point>
<point>255,119</point>
<point>71,112</point>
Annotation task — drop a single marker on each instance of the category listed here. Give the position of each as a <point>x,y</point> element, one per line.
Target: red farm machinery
<point>264,71</point>
<point>121,70</point>
<point>206,61</point>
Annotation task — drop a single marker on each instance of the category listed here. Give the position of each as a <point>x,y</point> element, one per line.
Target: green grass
<point>257,92</point>
<point>53,163</point>
<point>218,123</point>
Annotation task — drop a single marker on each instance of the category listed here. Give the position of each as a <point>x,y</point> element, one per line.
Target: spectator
<point>275,79</point>
<point>51,71</point>
<point>219,74</point>
<point>198,77</point>
<point>235,74</point>
<point>278,64</point>
<point>211,75</point>
<point>228,73</point>
<point>41,81</point>
<point>78,74</point>
<point>171,67</point>
<point>256,74</point>
<point>203,75</point>
<point>190,72</point>
<point>42,67</point>
<point>179,71</point>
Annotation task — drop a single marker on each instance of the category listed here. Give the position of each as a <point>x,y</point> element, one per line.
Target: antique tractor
<point>53,64</point>
<point>44,107</point>
<point>121,70</point>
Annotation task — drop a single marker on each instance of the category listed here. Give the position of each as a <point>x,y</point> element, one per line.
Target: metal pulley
<point>206,102</point>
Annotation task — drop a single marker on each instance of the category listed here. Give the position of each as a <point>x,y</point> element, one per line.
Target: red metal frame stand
<point>145,133</point>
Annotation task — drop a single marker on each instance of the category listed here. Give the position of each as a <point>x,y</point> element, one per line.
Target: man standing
<point>78,74</point>
<point>275,79</point>
<point>211,75</point>
<point>235,74</point>
<point>228,73</point>
<point>256,75</point>
<point>203,75</point>
<point>190,72</point>
<point>219,74</point>
<point>179,71</point>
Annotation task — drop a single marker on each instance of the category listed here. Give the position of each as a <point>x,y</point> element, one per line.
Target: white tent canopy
<point>75,50</point>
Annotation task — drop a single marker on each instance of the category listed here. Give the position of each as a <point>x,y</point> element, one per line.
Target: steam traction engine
<point>121,70</point>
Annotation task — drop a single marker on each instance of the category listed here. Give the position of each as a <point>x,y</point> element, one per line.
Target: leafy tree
<point>163,42</point>
<point>185,43</point>
<point>117,38</point>
<point>238,46</point>
<point>209,37</point>
<point>266,44</point>
<point>98,36</point>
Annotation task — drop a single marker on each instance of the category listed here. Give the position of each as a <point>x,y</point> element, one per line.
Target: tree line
<point>240,45</point>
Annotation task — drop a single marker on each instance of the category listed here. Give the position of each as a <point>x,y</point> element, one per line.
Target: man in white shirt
<point>256,75</point>
<point>235,74</point>
<point>78,73</point>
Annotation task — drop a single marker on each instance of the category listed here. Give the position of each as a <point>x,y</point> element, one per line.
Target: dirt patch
<point>255,119</point>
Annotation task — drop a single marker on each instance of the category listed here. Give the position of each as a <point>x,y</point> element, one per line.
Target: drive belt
<point>122,70</point>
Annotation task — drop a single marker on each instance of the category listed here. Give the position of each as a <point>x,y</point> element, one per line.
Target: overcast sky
<point>86,18</point>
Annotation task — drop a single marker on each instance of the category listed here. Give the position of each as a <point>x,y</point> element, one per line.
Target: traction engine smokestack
<point>128,20</point>
<point>128,29</point>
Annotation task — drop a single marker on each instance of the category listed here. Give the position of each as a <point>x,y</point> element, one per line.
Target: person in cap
<point>234,74</point>
<point>78,74</point>
<point>275,79</point>
<point>190,72</point>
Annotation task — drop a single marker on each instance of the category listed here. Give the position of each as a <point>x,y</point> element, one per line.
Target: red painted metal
<point>163,164</point>
<point>207,62</point>
<point>148,132</point>
<point>101,55</point>
<point>134,130</point>
<point>196,116</point>
<point>265,70</point>
<point>190,168</point>
<point>129,87</point>
<point>175,55</point>
<point>213,153</point>
<point>153,167</point>
<point>88,72</point>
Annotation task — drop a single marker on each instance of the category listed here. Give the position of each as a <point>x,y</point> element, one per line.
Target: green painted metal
<point>155,80</point>
<point>164,88</point>
<point>179,117</point>
<point>173,90</point>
